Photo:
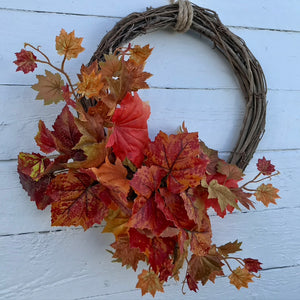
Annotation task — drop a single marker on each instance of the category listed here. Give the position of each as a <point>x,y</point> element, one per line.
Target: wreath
<point>98,162</point>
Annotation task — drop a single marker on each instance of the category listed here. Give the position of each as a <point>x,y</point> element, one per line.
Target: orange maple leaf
<point>240,278</point>
<point>267,194</point>
<point>69,45</point>
<point>91,83</point>
<point>113,176</point>
<point>139,54</point>
<point>149,283</point>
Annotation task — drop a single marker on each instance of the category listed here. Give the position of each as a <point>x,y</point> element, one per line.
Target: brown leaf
<point>231,171</point>
<point>49,88</point>
<point>230,248</point>
<point>149,283</point>
<point>267,194</point>
<point>240,278</point>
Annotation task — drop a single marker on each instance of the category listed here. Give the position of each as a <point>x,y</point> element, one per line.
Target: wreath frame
<point>184,16</point>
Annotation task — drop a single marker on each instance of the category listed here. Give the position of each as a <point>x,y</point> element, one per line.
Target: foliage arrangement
<point>99,164</point>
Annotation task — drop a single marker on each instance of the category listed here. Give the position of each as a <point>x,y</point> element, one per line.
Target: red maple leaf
<point>77,200</point>
<point>130,132</point>
<point>26,61</point>
<point>145,212</point>
<point>67,96</point>
<point>252,265</point>
<point>265,167</point>
<point>45,139</point>
<point>179,156</point>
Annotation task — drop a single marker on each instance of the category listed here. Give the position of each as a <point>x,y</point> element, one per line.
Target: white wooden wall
<point>191,82</point>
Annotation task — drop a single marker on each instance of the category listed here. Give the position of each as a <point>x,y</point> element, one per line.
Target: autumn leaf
<point>67,96</point>
<point>223,194</point>
<point>201,238</point>
<point>267,194</point>
<point>129,257</point>
<point>139,54</point>
<point>33,165</point>
<point>243,198</point>
<point>36,190</point>
<point>116,223</point>
<point>66,133</point>
<point>111,67</point>
<point>178,155</point>
<point>26,61</point>
<point>252,265</point>
<point>94,156</point>
<point>194,204</point>
<point>149,283</point>
<point>232,172</point>
<point>230,248</point>
<point>49,88</point>
<point>45,139</point>
<point>213,158</point>
<point>200,268</point>
<point>265,167</point>
<point>145,213</point>
<point>90,84</point>
<point>240,278</point>
<point>77,201</point>
<point>68,45</point>
<point>113,176</point>
<point>130,132</point>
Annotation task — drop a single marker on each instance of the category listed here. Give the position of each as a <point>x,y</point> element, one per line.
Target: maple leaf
<point>145,213</point>
<point>194,204</point>
<point>45,139</point>
<point>76,200</point>
<point>179,259</point>
<point>232,172</point>
<point>116,222</point>
<point>90,84</point>
<point>49,88</point>
<point>68,45</point>
<point>33,165</point>
<point>172,206</point>
<point>265,167</point>
<point>113,176</point>
<point>67,96</point>
<point>111,66</point>
<point>127,255</point>
<point>252,265</point>
<point>178,155</point>
<point>149,282</point>
<point>213,158</point>
<point>130,132</point>
<point>139,54</point>
<point>223,194</point>
<point>243,198</point>
<point>240,278</point>
<point>229,248</point>
<point>36,190</point>
<point>26,61</point>
<point>267,194</point>
<point>201,239</point>
<point>200,268</point>
<point>66,133</point>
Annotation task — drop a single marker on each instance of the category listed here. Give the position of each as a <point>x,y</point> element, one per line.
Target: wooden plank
<point>216,114</point>
<point>22,216</point>
<point>204,67</point>
<point>59,265</point>
<point>250,13</point>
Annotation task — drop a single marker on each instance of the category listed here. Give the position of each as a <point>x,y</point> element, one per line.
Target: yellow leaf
<point>67,44</point>
<point>267,194</point>
<point>139,55</point>
<point>223,194</point>
<point>116,223</point>
<point>49,88</point>
<point>240,278</point>
<point>149,283</point>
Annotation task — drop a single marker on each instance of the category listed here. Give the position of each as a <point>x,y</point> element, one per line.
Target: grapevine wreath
<point>98,162</point>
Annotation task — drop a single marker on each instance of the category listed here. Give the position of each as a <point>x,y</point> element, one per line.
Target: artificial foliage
<point>99,164</point>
